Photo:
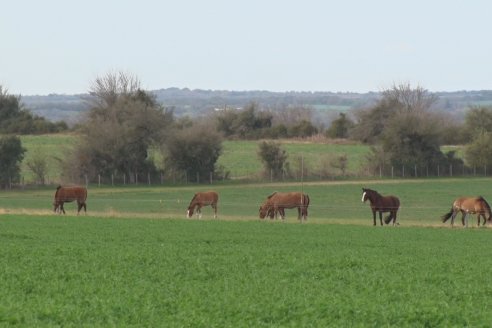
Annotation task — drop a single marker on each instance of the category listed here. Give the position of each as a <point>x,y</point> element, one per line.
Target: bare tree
<point>107,88</point>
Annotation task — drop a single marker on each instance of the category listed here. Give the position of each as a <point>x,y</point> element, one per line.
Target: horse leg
<point>62,209</point>
<point>374,217</point>
<point>381,217</point>
<point>199,212</point>
<point>464,220</point>
<point>215,210</point>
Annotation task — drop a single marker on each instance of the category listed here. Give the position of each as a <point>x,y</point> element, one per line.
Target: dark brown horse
<point>469,205</point>
<point>381,204</point>
<point>70,194</point>
<point>203,199</point>
<point>277,202</point>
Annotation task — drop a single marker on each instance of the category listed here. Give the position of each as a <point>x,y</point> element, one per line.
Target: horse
<point>70,194</point>
<point>381,204</point>
<point>469,205</point>
<point>277,202</point>
<point>203,199</point>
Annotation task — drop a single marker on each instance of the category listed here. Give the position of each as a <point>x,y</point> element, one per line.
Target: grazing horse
<point>469,205</point>
<point>381,204</point>
<point>277,202</point>
<point>70,194</point>
<point>203,199</point>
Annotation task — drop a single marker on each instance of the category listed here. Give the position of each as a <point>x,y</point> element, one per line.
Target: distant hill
<point>198,102</point>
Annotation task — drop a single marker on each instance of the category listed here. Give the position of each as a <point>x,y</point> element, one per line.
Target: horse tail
<point>388,218</point>
<point>446,216</point>
<point>487,207</point>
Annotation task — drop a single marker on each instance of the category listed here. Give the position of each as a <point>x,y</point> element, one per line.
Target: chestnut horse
<point>381,204</point>
<point>203,199</point>
<point>70,194</point>
<point>277,202</point>
<point>469,205</point>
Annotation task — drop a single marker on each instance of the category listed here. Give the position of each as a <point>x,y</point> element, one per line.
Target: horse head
<point>189,212</point>
<point>364,195</point>
<point>263,211</point>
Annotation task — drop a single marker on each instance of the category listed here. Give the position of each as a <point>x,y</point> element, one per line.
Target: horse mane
<point>371,191</point>
<point>272,195</point>
<point>191,202</point>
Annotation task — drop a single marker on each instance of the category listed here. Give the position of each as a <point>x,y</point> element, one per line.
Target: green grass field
<point>98,271</point>
<point>134,260</point>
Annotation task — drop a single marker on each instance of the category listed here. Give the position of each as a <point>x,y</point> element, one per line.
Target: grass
<point>95,271</point>
<point>135,261</point>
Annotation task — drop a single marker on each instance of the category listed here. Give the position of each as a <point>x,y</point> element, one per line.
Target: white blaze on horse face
<point>363,196</point>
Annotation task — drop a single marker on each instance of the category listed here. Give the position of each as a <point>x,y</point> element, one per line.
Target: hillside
<point>197,102</point>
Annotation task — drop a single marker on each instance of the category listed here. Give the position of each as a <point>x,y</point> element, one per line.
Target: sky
<point>62,46</point>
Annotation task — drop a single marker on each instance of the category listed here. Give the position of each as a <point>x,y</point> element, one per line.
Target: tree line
<point>126,126</point>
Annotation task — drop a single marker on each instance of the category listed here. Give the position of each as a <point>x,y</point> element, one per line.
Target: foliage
<point>245,124</point>
<point>479,152</point>
<point>38,164</point>
<point>274,158</point>
<point>195,150</point>
<point>340,127</point>
<point>408,132</point>
<point>16,119</point>
<point>11,155</point>
<point>478,120</point>
<point>123,124</point>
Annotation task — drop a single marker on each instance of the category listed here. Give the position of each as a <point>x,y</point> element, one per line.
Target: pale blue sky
<point>61,46</point>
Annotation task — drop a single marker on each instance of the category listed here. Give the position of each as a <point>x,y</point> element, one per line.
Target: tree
<point>398,100</point>
<point>38,166</point>
<point>274,158</point>
<point>16,119</point>
<point>340,127</point>
<point>11,155</point>
<point>407,130</point>
<point>478,120</point>
<point>479,152</point>
<point>194,150</point>
<point>123,124</point>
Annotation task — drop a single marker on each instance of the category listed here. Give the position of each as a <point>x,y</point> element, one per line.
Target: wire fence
<point>184,178</point>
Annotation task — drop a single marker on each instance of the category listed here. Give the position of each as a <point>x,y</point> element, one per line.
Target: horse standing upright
<point>203,199</point>
<point>70,194</point>
<point>277,202</point>
<point>469,205</point>
<point>381,204</point>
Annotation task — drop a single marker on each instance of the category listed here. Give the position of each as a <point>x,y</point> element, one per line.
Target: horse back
<point>69,194</point>
<point>208,197</point>
<point>389,203</point>
<point>289,199</point>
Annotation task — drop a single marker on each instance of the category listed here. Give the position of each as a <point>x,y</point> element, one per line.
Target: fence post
<point>485,169</point>
<point>402,171</point>
<point>271,175</point>
<point>86,180</point>
<point>211,177</point>
<point>450,170</point>
<point>415,170</point>
<point>112,180</point>
<point>148,177</point>
<point>124,178</point>
<point>99,180</point>
<point>392,172</point>
<point>380,172</point>
<point>438,170</point>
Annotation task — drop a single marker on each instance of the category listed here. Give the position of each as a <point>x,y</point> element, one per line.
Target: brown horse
<point>203,199</point>
<point>277,202</point>
<point>469,205</point>
<point>381,204</point>
<point>70,194</point>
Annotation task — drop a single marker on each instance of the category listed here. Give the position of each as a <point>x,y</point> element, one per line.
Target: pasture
<point>135,260</point>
